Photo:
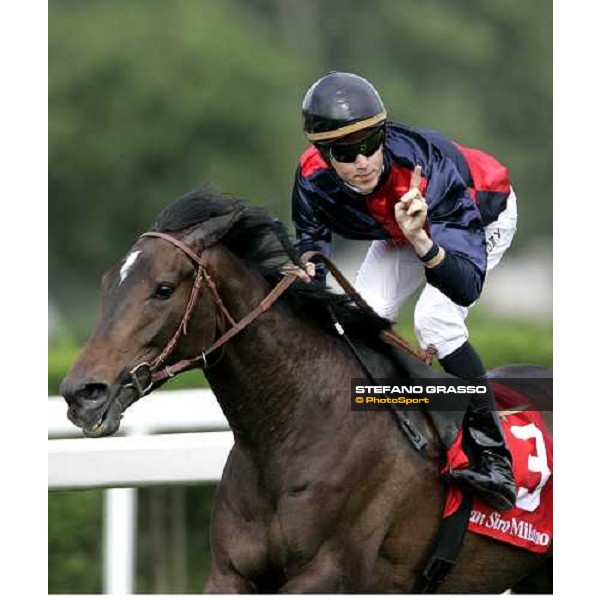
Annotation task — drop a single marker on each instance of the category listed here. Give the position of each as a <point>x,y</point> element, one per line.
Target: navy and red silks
<point>465,190</point>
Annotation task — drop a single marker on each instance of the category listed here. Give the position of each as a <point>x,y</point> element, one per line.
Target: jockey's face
<point>363,173</point>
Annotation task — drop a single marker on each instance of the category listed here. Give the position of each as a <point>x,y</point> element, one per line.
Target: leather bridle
<point>157,371</point>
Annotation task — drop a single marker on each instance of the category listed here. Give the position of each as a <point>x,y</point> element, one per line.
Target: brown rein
<point>157,375</point>
<point>388,335</point>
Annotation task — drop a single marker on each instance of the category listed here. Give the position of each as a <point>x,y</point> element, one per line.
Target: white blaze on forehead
<point>129,261</point>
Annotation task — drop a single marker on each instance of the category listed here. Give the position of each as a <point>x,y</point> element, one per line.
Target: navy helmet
<point>338,105</point>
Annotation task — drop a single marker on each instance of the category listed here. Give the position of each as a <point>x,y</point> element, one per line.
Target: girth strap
<point>446,547</point>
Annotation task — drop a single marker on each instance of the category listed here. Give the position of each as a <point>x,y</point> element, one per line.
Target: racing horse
<point>314,497</point>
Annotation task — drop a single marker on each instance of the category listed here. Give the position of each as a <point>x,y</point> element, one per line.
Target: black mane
<point>194,208</point>
<point>263,242</point>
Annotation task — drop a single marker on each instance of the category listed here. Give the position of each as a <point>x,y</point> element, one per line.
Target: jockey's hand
<point>307,274</point>
<point>411,210</point>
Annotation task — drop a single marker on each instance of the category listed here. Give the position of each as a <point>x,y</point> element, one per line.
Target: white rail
<point>146,452</point>
<point>175,458</point>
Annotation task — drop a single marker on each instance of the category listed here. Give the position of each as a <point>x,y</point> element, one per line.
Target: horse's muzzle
<point>91,406</point>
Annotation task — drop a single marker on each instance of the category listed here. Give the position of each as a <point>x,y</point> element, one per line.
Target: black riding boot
<point>491,477</point>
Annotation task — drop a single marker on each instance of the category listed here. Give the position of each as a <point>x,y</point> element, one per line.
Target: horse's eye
<point>164,291</point>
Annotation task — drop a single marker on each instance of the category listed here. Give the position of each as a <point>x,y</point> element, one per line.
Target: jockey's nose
<point>361,161</point>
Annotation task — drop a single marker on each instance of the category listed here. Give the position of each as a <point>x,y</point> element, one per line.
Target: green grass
<point>75,542</point>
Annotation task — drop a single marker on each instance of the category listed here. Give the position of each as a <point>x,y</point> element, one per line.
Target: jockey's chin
<point>366,184</point>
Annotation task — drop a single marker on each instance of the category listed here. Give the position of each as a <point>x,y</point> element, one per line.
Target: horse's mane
<point>263,242</point>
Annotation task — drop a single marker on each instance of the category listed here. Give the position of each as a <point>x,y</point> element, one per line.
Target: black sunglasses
<point>367,146</point>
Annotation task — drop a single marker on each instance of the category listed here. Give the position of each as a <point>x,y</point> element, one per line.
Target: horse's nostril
<point>93,391</point>
<point>82,394</point>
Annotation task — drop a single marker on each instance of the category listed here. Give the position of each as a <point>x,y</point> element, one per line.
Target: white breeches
<point>390,274</point>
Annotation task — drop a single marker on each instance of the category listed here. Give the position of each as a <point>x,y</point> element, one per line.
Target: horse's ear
<point>211,231</point>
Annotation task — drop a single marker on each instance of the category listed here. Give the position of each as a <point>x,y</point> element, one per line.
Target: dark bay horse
<point>314,497</point>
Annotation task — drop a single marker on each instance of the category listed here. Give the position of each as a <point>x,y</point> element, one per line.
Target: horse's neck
<point>278,382</point>
<point>268,373</point>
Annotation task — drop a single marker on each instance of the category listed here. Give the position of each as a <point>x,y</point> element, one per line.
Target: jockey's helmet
<point>338,105</point>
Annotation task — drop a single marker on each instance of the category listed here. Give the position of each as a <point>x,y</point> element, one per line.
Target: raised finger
<point>415,180</point>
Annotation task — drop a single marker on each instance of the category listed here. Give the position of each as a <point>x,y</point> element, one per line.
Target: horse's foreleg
<point>226,583</point>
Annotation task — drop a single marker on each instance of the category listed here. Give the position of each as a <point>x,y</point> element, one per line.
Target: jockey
<point>440,216</point>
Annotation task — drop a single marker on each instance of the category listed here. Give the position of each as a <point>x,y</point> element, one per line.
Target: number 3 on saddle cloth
<point>529,523</point>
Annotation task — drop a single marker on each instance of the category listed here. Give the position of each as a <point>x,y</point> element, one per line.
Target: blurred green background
<point>148,99</point>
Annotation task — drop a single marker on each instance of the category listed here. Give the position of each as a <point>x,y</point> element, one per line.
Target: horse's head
<point>149,300</point>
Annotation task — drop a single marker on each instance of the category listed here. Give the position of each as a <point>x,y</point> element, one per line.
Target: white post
<point>120,518</point>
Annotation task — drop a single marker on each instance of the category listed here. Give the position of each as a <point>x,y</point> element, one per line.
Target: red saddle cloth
<point>529,523</point>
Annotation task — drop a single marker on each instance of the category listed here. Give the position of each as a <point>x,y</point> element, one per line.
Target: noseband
<point>156,372</point>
